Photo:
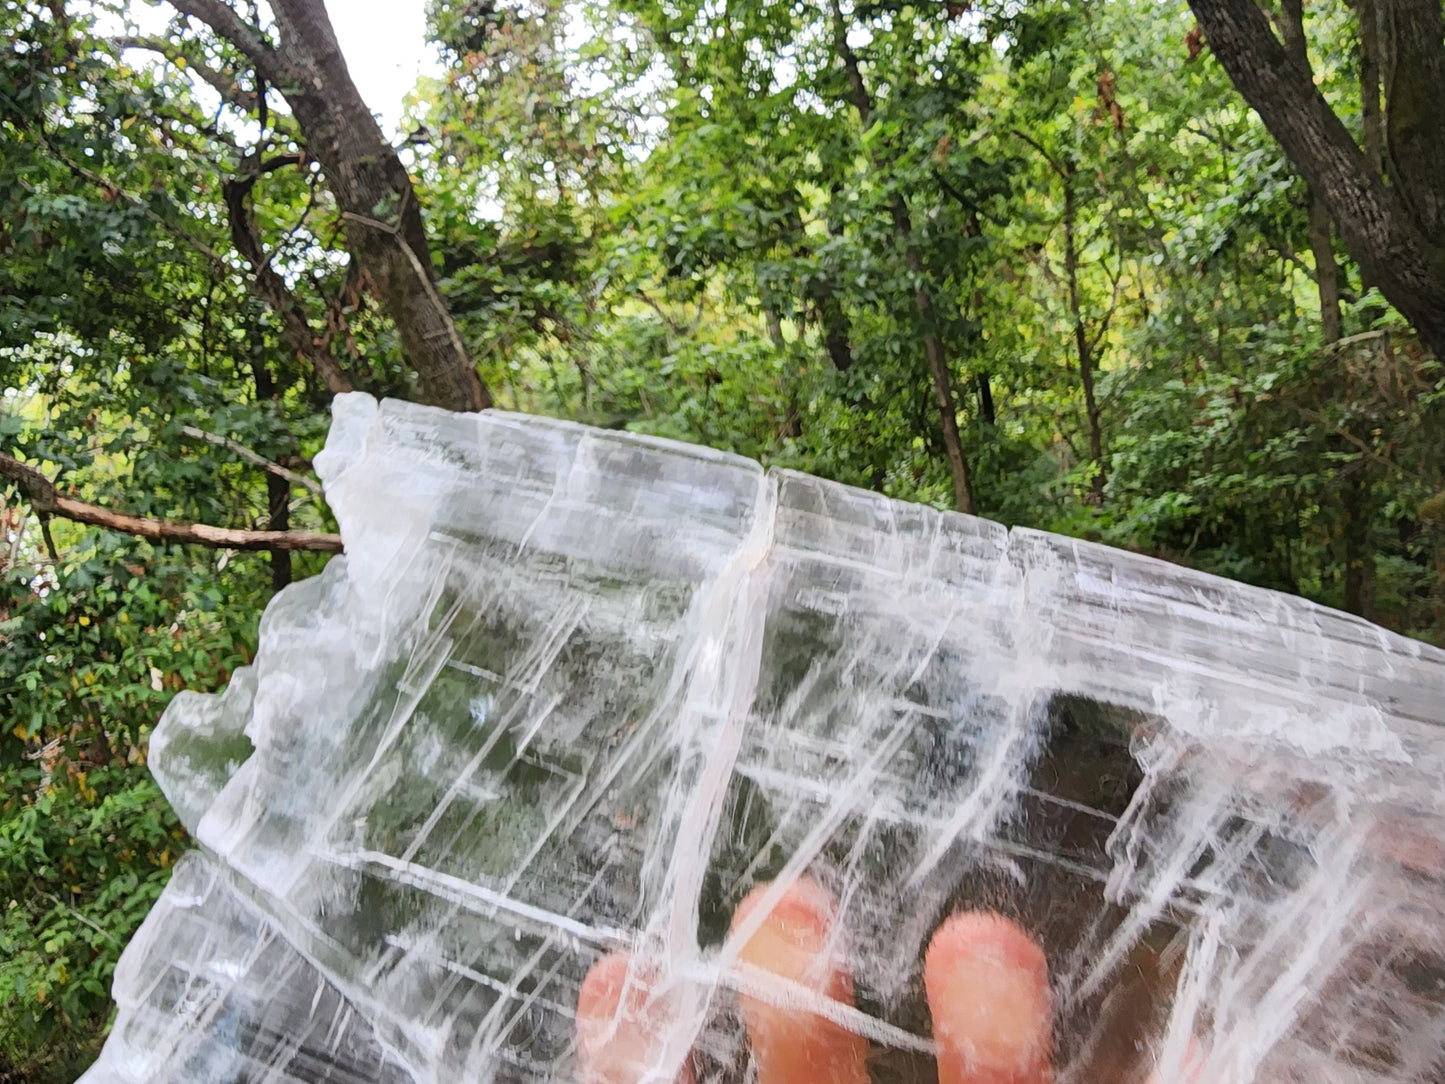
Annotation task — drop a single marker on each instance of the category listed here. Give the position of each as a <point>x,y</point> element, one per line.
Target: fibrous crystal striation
<point>571,690</point>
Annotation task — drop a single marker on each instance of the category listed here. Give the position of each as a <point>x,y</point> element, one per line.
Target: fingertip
<point>987,985</point>
<point>602,988</point>
<point>978,935</point>
<point>805,910</point>
<point>621,1029</point>
<point>798,940</point>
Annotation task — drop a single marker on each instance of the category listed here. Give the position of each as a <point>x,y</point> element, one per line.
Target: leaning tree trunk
<point>1371,119</point>
<point>923,306</point>
<point>1327,271</point>
<point>1356,557</point>
<point>1396,232</point>
<point>1081,339</point>
<point>373,191</point>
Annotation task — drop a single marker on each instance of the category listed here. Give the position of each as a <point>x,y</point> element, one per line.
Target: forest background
<point>1039,261</point>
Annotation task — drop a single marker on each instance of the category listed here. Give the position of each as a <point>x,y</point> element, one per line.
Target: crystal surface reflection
<point>572,690</point>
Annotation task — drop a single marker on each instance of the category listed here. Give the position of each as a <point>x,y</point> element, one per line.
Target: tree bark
<point>837,338</point>
<point>1357,560</point>
<point>373,191</point>
<point>937,362</point>
<point>985,400</point>
<point>820,294</point>
<point>46,500</point>
<point>1358,556</point>
<point>1371,118</point>
<point>1327,271</point>
<point>1415,109</point>
<point>1386,229</point>
<point>1081,338</point>
<point>278,490</point>
<point>933,349</point>
<point>269,284</point>
<point>1083,348</point>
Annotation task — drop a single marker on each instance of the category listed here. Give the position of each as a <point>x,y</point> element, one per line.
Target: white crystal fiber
<point>573,690</point>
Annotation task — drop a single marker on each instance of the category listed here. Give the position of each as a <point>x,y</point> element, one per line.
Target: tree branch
<point>1392,249</point>
<point>963,201</point>
<point>116,192</point>
<point>269,284</point>
<point>857,89</point>
<point>252,457</point>
<point>1049,158</point>
<point>229,90</point>
<point>424,281</point>
<point>271,65</point>
<point>366,177</point>
<point>46,500</point>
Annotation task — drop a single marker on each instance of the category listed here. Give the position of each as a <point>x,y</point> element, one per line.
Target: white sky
<point>384,42</point>
<point>385,46</point>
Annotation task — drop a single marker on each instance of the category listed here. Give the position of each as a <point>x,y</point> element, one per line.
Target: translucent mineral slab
<point>572,691</point>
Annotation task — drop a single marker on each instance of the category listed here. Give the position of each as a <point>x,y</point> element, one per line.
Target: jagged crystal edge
<point>1332,698</point>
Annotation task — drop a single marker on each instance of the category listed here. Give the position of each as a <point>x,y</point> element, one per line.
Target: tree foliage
<point>1041,261</point>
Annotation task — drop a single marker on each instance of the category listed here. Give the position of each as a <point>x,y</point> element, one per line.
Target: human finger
<point>622,1027</point>
<point>798,940</point>
<point>987,985</point>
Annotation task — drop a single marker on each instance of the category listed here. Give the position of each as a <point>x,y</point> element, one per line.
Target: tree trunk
<point>922,300</point>
<point>1081,339</point>
<point>1415,109</point>
<point>278,490</point>
<point>268,283</point>
<point>837,336</point>
<point>1388,230</point>
<point>1327,271</point>
<point>775,327</point>
<point>1371,118</point>
<point>1358,556</point>
<point>820,294</point>
<point>373,191</point>
<point>985,400</point>
<point>937,362</point>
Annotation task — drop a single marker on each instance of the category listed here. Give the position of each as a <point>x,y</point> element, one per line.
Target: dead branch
<point>46,500</point>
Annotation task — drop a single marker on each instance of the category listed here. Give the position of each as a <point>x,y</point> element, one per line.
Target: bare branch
<point>46,500</point>
<point>1036,145</point>
<point>271,65</point>
<point>252,457</point>
<point>271,287</point>
<point>227,87</point>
